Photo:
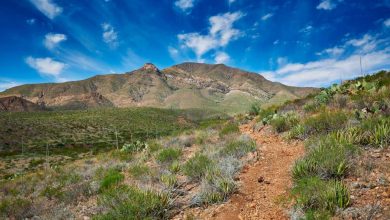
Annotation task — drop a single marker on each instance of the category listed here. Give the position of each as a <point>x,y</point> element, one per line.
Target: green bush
<point>111,178</point>
<point>136,146</point>
<point>255,109</point>
<point>312,193</point>
<point>282,123</point>
<point>197,166</point>
<point>325,122</point>
<point>174,167</point>
<point>168,155</point>
<point>297,132</point>
<point>139,170</point>
<point>169,180</point>
<point>125,202</point>
<point>239,148</point>
<point>330,159</point>
<point>229,128</point>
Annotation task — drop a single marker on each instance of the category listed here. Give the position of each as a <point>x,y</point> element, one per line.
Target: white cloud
<point>325,71</point>
<point>221,57</point>
<point>110,36</point>
<point>221,33</point>
<point>334,51</point>
<point>6,84</point>
<point>46,66</point>
<point>387,22</point>
<point>185,5</point>
<point>365,44</point>
<point>47,7</point>
<point>52,40</point>
<point>306,29</point>
<point>326,5</point>
<point>267,16</point>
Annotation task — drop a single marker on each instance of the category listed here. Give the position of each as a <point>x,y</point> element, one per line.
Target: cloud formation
<point>46,66</point>
<point>221,57</point>
<point>327,5</point>
<point>52,40</point>
<point>267,16</point>
<point>47,7</point>
<point>221,33</point>
<point>337,65</point>
<point>110,36</point>
<point>185,5</point>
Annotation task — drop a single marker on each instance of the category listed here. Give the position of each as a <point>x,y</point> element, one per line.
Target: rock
<point>267,182</point>
<point>86,218</point>
<point>355,185</point>
<point>260,179</point>
<point>376,155</point>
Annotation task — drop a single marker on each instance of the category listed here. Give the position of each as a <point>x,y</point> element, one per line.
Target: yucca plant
<point>380,136</point>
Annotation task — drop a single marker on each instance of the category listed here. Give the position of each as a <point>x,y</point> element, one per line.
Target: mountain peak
<point>150,66</point>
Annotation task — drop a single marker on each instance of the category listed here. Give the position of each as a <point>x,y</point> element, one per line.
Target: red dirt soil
<point>264,185</point>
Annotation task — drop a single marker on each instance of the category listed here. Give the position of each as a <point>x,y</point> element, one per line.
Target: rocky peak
<point>150,67</point>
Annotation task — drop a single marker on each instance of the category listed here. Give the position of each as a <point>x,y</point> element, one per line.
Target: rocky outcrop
<point>18,104</point>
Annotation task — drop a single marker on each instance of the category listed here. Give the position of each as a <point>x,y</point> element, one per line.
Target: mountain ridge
<point>186,85</point>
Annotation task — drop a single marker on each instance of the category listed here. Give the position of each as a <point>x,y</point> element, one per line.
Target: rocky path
<point>264,185</point>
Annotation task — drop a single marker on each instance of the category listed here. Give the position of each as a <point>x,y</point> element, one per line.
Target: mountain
<point>18,104</point>
<point>183,86</point>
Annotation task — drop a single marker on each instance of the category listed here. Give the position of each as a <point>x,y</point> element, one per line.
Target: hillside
<point>18,104</point>
<point>183,86</point>
<point>344,173</point>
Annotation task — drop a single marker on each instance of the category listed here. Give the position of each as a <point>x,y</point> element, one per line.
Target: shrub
<point>297,132</point>
<point>255,109</point>
<point>215,188</point>
<point>174,167</point>
<point>282,123</point>
<point>125,202</point>
<point>36,162</point>
<point>139,170</point>
<point>325,122</point>
<point>380,135</point>
<point>239,148</point>
<point>315,194</point>
<point>134,147</point>
<point>197,166</point>
<point>111,178</point>
<point>168,155</point>
<point>15,208</point>
<point>121,155</point>
<point>169,180</point>
<point>229,128</point>
<point>330,159</point>
<point>52,192</point>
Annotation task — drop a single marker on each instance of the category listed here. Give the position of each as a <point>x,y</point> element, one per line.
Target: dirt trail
<point>264,184</point>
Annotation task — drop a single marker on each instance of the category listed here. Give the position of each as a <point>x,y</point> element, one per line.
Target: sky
<point>296,42</point>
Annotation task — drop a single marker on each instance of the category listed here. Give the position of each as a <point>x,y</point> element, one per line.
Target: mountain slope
<point>18,104</point>
<point>187,85</point>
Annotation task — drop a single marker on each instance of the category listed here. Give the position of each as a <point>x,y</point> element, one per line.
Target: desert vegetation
<point>151,177</point>
<point>340,125</point>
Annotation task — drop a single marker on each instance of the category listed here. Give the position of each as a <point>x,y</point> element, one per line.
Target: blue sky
<point>296,42</point>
